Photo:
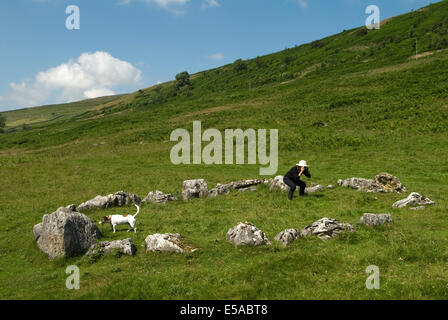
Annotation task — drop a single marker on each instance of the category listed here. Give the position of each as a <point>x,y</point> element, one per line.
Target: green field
<point>385,109</point>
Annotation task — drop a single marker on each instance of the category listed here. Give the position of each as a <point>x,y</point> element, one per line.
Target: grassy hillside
<point>21,119</point>
<point>386,110</point>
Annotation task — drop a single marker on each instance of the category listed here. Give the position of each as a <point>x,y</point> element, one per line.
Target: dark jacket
<point>293,174</point>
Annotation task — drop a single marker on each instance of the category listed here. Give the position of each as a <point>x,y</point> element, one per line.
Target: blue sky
<point>124,45</point>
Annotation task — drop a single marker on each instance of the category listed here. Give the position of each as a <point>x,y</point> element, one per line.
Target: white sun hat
<point>302,163</point>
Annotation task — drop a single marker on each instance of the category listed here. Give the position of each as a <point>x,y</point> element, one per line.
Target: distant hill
<point>16,119</point>
<point>353,52</point>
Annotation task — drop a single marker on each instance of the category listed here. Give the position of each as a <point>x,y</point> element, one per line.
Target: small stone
<point>159,197</point>
<point>414,199</point>
<point>372,220</point>
<point>168,242</point>
<point>287,236</point>
<point>326,228</point>
<point>248,189</point>
<point>247,234</point>
<point>220,189</point>
<point>118,199</point>
<point>278,184</point>
<point>125,246</point>
<point>192,189</point>
<point>314,188</point>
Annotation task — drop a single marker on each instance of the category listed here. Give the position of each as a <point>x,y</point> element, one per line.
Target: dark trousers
<point>293,185</point>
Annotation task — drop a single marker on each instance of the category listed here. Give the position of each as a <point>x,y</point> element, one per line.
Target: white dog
<point>116,220</point>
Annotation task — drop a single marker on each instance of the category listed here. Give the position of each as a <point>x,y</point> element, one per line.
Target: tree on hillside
<point>240,66</point>
<point>183,80</point>
<point>2,123</point>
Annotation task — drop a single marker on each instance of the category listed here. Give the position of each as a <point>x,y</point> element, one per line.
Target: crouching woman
<point>292,178</point>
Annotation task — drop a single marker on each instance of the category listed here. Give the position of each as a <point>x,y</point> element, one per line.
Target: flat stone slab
<point>159,197</point>
<point>242,185</point>
<point>246,234</point>
<point>326,228</point>
<point>383,182</point>
<point>125,246</point>
<point>314,188</point>
<point>372,220</point>
<point>414,199</point>
<point>118,199</point>
<point>168,242</point>
<point>220,189</point>
<point>248,189</point>
<point>287,236</point>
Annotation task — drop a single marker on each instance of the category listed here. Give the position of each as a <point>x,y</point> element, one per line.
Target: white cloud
<point>124,2</point>
<point>89,76</point>
<point>217,56</point>
<point>166,3</point>
<point>209,4</point>
<point>303,3</point>
<point>176,7</point>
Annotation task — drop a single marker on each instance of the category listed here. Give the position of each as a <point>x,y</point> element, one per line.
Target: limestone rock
<point>168,242</point>
<point>326,228</point>
<point>118,199</point>
<point>287,236</point>
<point>125,246</point>
<point>248,189</point>
<point>220,189</point>
<point>418,208</point>
<point>278,184</point>
<point>65,233</point>
<point>389,183</point>
<point>361,184</point>
<point>247,234</point>
<point>242,185</point>
<point>414,199</point>
<point>192,189</point>
<point>372,220</point>
<point>314,188</point>
<point>71,207</point>
<point>159,197</point>
<point>383,182</point>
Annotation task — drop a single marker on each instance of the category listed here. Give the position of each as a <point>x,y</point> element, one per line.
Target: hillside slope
<point>384,110</point>
<point>351,52</point>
